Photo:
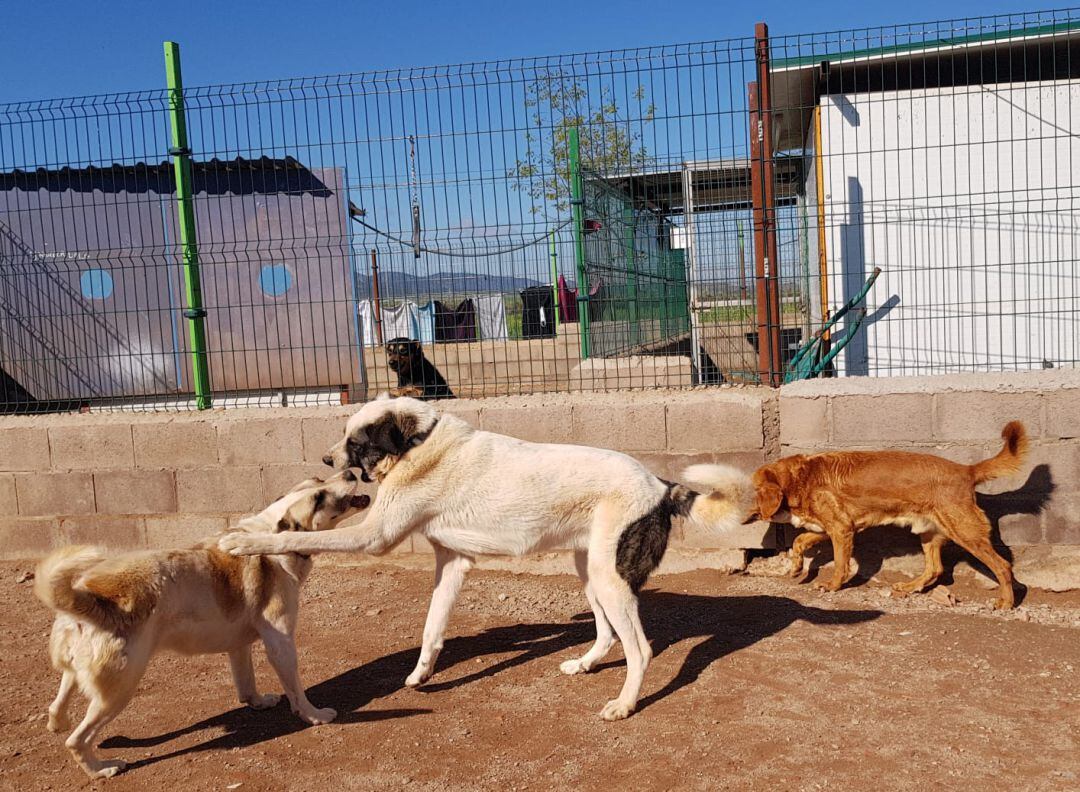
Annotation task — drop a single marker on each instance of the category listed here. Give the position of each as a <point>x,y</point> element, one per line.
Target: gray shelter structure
<point>92,287</point>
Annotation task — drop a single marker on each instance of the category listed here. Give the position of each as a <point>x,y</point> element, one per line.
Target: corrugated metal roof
<point>238,176</point>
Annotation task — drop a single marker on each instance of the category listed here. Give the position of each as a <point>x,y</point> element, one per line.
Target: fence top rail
<point>807,48</point>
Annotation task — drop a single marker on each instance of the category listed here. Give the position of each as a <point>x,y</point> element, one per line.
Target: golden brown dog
<point>114,611</point>
<point>835,494</point>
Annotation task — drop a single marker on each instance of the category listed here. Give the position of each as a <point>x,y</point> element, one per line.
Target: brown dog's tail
<point>72,580</point>
<point>719,498</point>
<point>1009,459</point>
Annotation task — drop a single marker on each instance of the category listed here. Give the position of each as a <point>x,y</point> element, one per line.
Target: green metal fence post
<point>576,203</point>
<point>181,154</point>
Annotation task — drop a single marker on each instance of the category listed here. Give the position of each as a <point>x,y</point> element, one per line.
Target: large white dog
<point>474,493</point>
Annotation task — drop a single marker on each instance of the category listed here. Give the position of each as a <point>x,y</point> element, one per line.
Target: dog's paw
<point>417,678</point>
<point>264,701</point>
<point>1003,604</point>
<point>571,667</point>
<point>240,543</point>
<point>58,723</point>
<point>616,710</point>
<point>107,769</point>
<point>317,717</point>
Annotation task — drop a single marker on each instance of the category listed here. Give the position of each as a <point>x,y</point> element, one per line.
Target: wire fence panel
<point>735,195</point>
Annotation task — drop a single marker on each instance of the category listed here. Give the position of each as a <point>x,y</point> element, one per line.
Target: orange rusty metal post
<point>763,196</point>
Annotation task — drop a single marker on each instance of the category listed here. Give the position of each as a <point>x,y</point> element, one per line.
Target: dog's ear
<point>769,499</point>
<point>387,436</point>
<point>415,349</point>
<point>302,515</point>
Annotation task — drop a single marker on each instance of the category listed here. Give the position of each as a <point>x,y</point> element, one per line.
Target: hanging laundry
<point>458,324</point>
<point>426,318</point>
<point>537,315</point>
<point>366,315</point>
<point>492,314</point>
<point>567,301</point>
<point>401,321</point>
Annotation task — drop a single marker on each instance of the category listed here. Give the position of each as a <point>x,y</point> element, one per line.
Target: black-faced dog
<point>417,376</point>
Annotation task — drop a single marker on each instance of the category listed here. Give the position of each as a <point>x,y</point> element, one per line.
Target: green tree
<point>610,143</point>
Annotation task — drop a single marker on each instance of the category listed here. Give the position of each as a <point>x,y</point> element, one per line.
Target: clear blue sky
<point>51,49</point>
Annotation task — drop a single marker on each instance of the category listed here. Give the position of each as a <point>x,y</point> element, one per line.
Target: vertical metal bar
<point>765,212</point>
<point>690,265</point>
<point>577,209</point>
<point>554,261</point>
<point>772,274</point>
<point>181,154</point>
<point>823,268</point>
<point>629,232</point>
<point>376,303</point>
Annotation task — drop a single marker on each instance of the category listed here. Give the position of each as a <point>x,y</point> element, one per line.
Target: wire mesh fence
<point>733,196</point>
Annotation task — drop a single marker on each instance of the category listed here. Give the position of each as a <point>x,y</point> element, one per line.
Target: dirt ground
<point>757,683</point>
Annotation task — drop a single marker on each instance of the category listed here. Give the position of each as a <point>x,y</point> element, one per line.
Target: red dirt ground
<point>757,683</point>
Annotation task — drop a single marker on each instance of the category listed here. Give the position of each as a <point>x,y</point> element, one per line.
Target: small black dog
<point>417,376</point>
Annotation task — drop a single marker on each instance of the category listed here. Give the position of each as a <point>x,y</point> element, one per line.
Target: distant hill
<point>395,285</point>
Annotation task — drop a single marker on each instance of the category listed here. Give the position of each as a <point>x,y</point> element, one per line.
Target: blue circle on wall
<point>96,284</point>
<point>275,279</point>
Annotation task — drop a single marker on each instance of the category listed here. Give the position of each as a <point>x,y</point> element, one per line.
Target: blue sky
<point>51,49</point>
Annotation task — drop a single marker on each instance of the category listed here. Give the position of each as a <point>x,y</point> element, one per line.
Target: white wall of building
<point>966,198</point>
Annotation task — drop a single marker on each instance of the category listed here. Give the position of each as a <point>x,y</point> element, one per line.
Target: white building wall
<point>967,198</point>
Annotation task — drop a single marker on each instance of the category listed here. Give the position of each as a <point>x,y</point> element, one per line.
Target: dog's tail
<point>68,581</point>
<point>1009,459</point>
<point>720,498</point>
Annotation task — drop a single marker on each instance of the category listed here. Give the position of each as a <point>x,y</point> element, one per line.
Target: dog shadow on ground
<point>727,623</point>
<point>874,545</point>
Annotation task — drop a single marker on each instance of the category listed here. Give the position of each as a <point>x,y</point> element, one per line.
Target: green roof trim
<point>895,49</point>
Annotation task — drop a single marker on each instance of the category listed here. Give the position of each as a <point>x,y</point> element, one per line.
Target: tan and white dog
<point>473,493</point>
<point>114,612</point>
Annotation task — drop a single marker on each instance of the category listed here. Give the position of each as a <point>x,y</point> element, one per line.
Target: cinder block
<point>181,530</point>
<point>24,449</point>
<point>1062,413</point>
<point>884,418</point>
<point>714,424</point>
<point>630,427</point>
<point>219,489</point>
<point>462,409</point>
<point>747,461</point>
<point>9,503</point>
<point>1059,520</point>
<point>52,494</point>
<point>122,533</point>
<point>980,415</point>
<point>87,447</point>
<point>135,492</point>
<point>753,536</point>
<point>251,442</point>
<point>1021,529</point>
<point>24,537</point>
<point>175,445</point>
<point>803,421</point>
<point>279,479</point>
<point>537,424</point>
<point>320,434</point>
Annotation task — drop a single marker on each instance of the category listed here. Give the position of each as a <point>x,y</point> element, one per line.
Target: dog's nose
<point>348,475</point>
<point>328,460</point>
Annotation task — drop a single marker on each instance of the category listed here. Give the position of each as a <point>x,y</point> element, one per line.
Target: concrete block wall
<point>157,480</point>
